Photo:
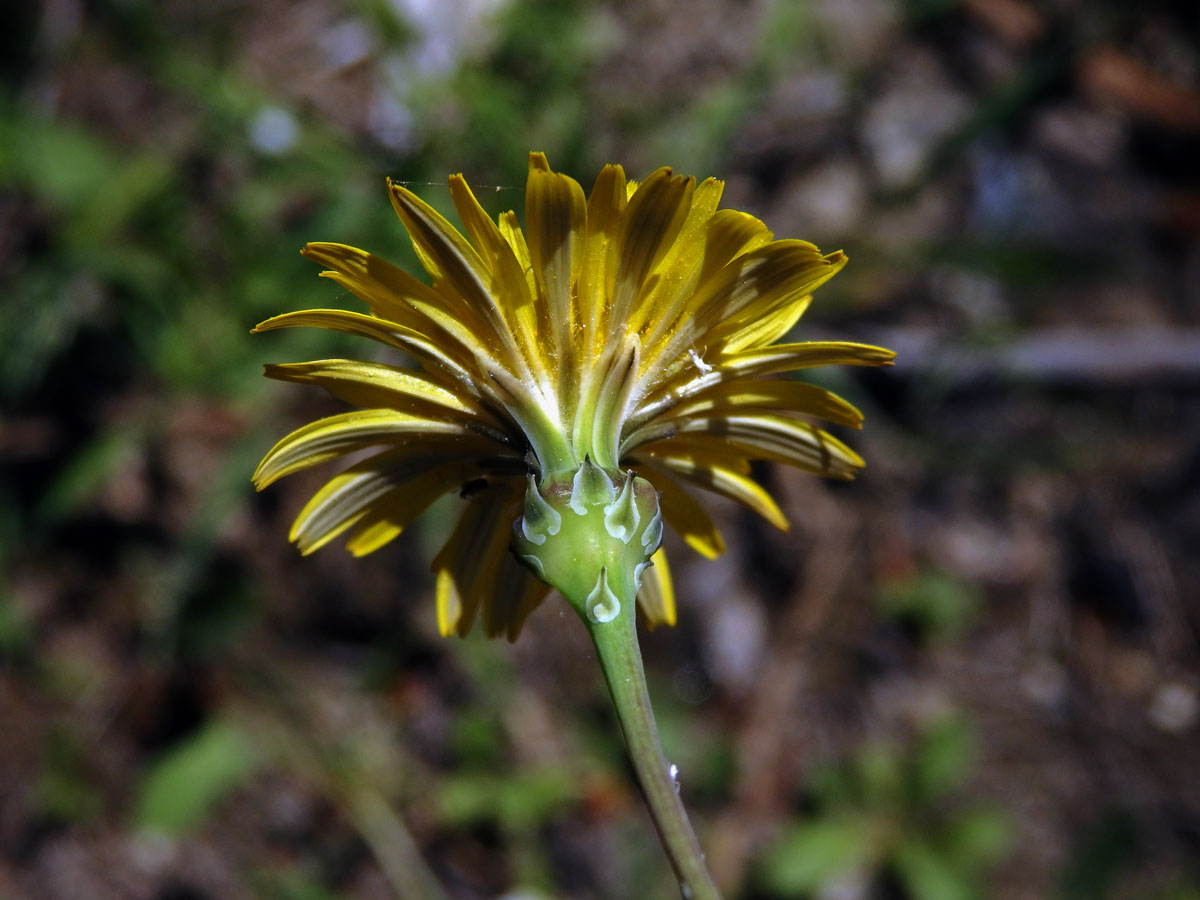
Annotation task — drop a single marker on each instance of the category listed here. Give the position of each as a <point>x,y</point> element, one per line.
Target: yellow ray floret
<point>629,328</point>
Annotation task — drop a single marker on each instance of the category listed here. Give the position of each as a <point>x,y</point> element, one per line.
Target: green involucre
<point>590,533</point>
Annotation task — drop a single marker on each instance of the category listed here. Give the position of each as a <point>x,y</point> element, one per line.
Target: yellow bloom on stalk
<point>623,332</point>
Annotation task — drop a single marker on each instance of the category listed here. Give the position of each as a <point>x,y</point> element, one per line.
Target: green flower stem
<point>617,647</point>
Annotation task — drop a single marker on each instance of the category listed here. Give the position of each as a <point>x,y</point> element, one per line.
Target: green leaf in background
<point>885,811</point>
<point>942,759</point>
<point>1105,862</point>
<point>936,604</point>
<point>927,875</point>
<point>978,838</point>
<point>832,784</point>
<point>880,777</point>
<point>94,464</point>
<point>182,787</point>
<point>810,855</point>
<point>57,162</point>
<point>291,883</point>
<point>1101,857</point>
<point>527,799</point>
<point>66,789</point>
<point>16,630</point>
<point>475,735</point>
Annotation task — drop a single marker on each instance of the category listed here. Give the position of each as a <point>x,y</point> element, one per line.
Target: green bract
<point>590,533</point>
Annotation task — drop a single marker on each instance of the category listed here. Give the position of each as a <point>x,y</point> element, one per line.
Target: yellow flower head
<point>623,331</point>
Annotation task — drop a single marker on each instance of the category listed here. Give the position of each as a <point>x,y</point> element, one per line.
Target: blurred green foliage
<point>292,883</point>
<point>935,605</point>
<point>529,92</point>
<point>1104,862</point>
<point>16,631</point>
<point>893,814</point>
<point>173,267</point>
<point>65,790</point>
<point>514,801</point>
<point>182,787</point>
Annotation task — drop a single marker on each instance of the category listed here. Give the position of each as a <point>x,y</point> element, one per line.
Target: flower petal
<point>681,511</point>
<point>510,230</point>
<point>460,267</point>
<point>390,292</point>
<point>555,223</point>
<point>605,206</point>
<point>757,282</point>
<point>468,565</point>
<point>334,436</point>
<point>516,593</point>
<point>766,330</point>
<point>786,395</point>
<point>375,385</point>
<point>493,248</point>
<point>712,453</point>
<point>731,234</point>
<point>506,264</point>
<point>652,219</point>
<point>656,599</point>
<point>726,481</point>
<point>805,355</point>
<point>769,436</point>
<point>675,277</point>
<point>693,378</point>
<point>393,487</point>
<point>727,235</point>
<point>389,333</point>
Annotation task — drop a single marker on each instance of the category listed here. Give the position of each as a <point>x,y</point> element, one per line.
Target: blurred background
<point>974,673</point>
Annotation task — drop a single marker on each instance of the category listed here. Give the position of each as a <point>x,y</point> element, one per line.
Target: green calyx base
<point>590,533</point>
